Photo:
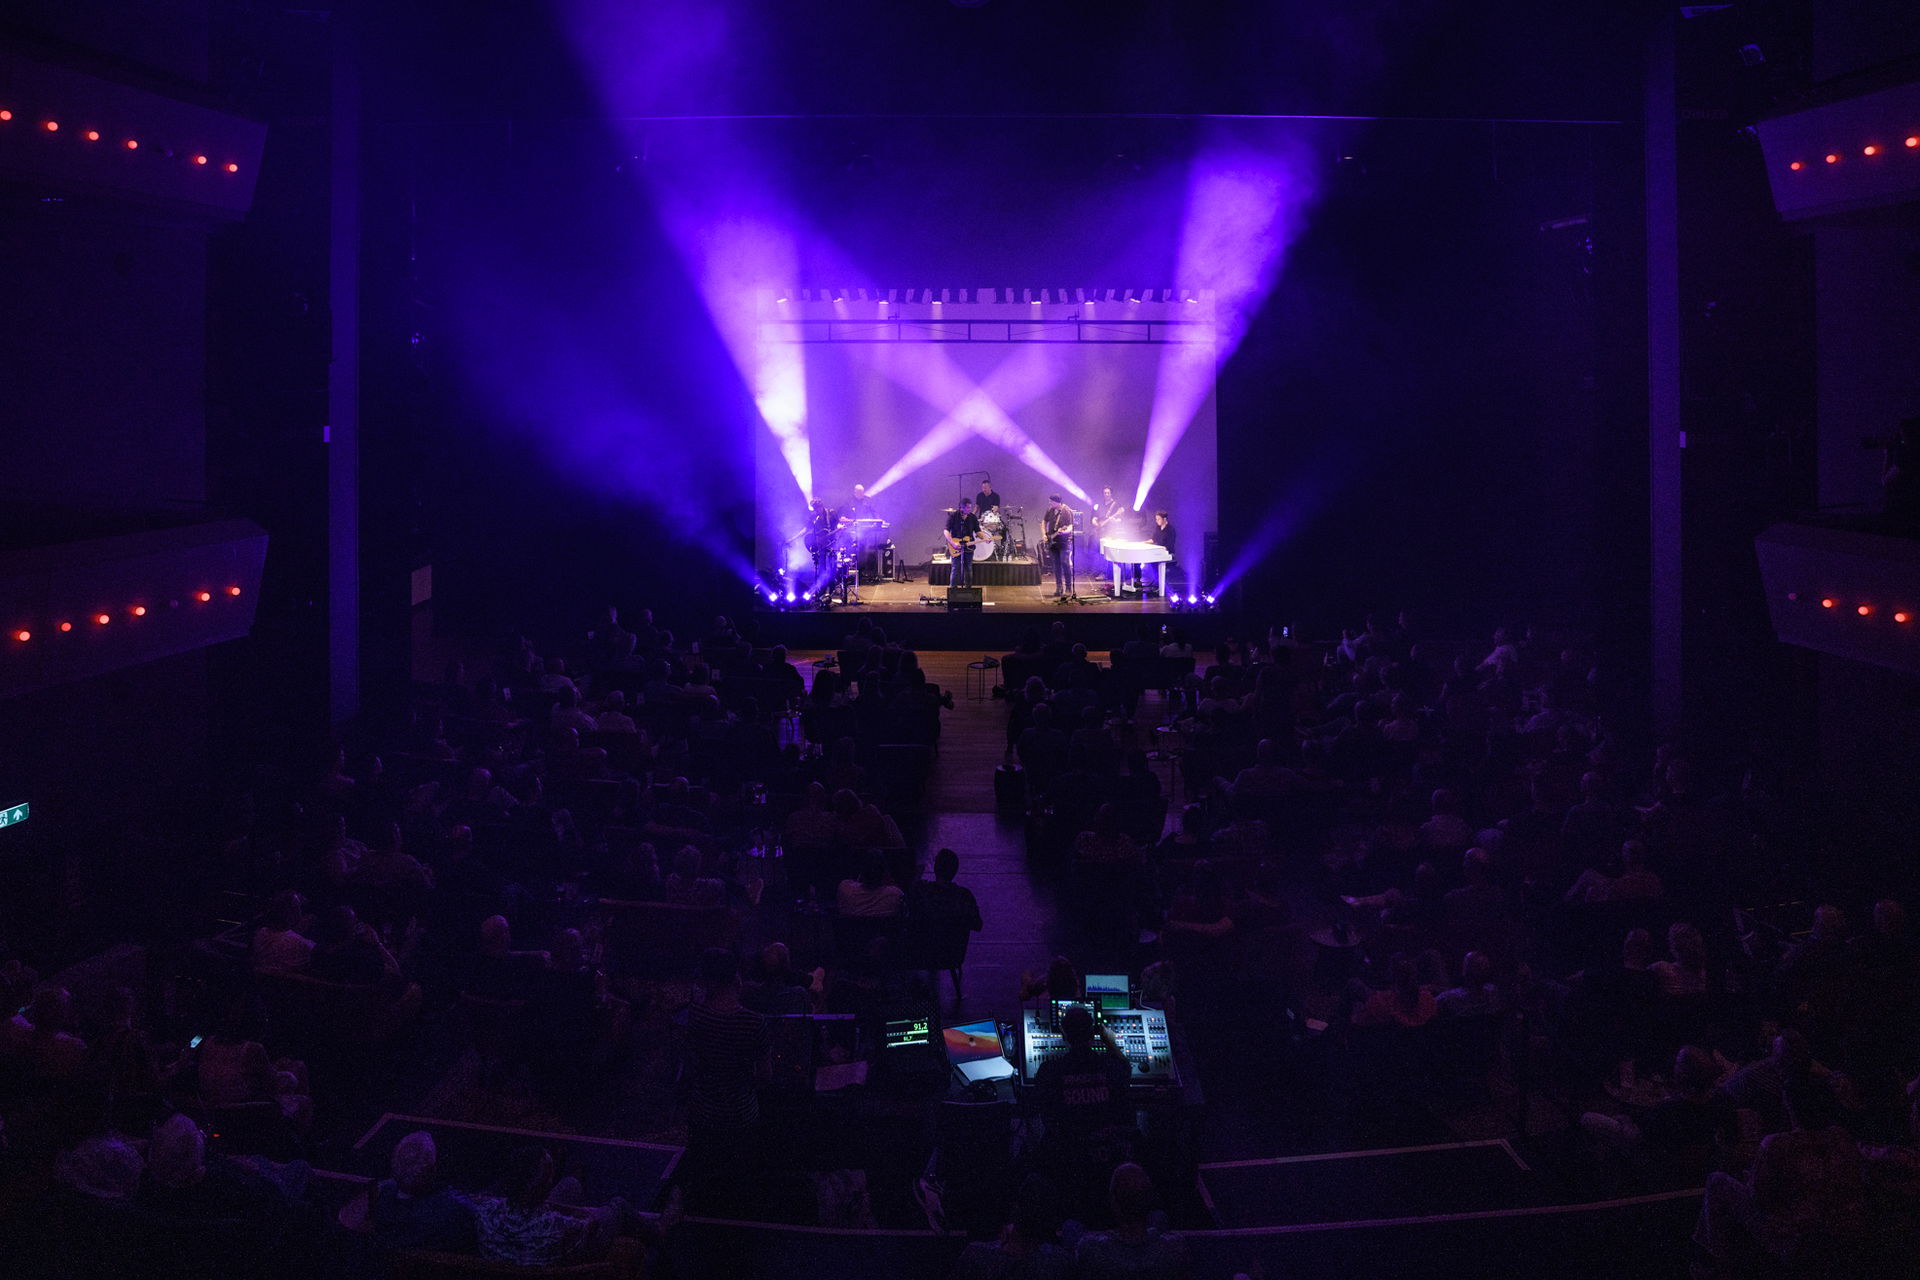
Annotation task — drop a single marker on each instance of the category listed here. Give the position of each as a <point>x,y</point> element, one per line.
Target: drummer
<point>986,500</point>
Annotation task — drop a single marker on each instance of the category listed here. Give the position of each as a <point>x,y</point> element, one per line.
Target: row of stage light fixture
<point>1048,297</point>
<point>21,635</point>
<point>1868,150</point>
<point>52,128</point>
<point>1859,608</point>
<point>790,597</point>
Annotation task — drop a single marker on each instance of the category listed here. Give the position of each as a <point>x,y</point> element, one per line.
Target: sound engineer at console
<point>1082,1093</point>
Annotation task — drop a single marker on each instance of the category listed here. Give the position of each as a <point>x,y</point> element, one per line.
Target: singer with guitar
<point>962,528</point>
<point>1108,521</point>
<point>1057,525</point>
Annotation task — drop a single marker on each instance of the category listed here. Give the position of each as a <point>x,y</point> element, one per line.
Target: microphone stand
<point>960,484</point>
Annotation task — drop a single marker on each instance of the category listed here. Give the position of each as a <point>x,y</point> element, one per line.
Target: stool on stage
<point>977,677</point>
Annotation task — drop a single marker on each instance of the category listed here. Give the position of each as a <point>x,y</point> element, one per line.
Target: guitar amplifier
<point>963,597</point>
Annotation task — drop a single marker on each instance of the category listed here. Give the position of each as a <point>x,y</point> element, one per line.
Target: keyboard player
<point>1162,536</point>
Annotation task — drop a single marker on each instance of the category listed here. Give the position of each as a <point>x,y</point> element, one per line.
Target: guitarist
<point>962,528</point>
<point>1057,525</point>
<point>822,523</point>
<point>1108,519</point>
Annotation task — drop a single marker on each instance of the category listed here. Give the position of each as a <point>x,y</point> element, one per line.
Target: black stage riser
<point>991,573</point>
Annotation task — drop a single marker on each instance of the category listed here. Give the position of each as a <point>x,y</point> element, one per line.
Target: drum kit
<point>1003,533</point>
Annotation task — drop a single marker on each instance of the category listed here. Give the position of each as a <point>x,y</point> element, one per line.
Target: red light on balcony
<point>1914,140</point>
<point>1864,610</point>
<point>1796,166</point>
<point>91,135</point>
<point>133,144</point>
<point>1833,157</point>
<point>199,159</point>
<point>23,635</point>
<point>138,611</point>
<point>66,626</point>
<point>102,619</point>
<point>233,591</point>
<point>51,126</point>
<point>5,115</point>
<point>1903,616</point>
<point>203,596</point>
<point>232,168</point>
<point>1870,150</point>
<point>1826,602</point>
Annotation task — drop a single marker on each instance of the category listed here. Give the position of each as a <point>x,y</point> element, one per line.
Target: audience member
<point>870,893</point>
<point>411,1209</point>
<point>37,1042</point>
<point>1134,1249</point>
<point>278,945</point>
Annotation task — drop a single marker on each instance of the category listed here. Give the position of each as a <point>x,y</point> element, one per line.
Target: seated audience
<point>278,945</point>
<point>1027,1247</point>
<point>528,1222</point>
<point>346,949</point>
<point>36,1041</point>
<point>1684,972</point>
<point>871,893</point>
<point>498,972</point>
<point>232,1069</point>
<point>183,1182</point>
<point>1134,1249</point>
<point>686,887</point>
<point>1404,1002</point>
<point>1809,1179</point>
<point>411,1209</point>
<point>1475,996</point>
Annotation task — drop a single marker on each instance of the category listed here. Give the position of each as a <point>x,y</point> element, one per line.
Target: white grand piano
<point>1128,551</point>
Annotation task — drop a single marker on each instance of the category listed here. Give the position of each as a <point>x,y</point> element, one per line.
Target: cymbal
<point>949,510</point>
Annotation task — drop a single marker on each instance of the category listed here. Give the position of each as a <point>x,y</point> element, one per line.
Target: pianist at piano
<point>1157,550</point>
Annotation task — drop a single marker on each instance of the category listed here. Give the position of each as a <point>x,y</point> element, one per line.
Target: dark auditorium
<point>959,640</point>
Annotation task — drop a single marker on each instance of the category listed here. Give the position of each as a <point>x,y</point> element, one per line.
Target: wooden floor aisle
<point>973,736</point>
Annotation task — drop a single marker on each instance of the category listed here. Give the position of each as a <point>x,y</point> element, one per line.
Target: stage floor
<point>918,597</point>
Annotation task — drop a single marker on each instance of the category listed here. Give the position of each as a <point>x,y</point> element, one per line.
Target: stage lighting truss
<point>997,315</point>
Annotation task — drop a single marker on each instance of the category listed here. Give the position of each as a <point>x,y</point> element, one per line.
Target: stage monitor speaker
<point>963,597</point>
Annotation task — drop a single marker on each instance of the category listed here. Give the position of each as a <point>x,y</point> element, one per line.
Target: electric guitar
<point>982,544</point>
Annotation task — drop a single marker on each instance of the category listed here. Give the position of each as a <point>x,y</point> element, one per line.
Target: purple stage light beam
<point>983,410</point>
<point>1312,489</point>
<point>730,258</point>
<point>1245,205</point>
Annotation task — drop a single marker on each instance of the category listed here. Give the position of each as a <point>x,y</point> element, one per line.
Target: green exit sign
<point>14,815</point>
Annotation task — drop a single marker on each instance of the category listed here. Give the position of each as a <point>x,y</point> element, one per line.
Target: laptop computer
<point>977,1052</point>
